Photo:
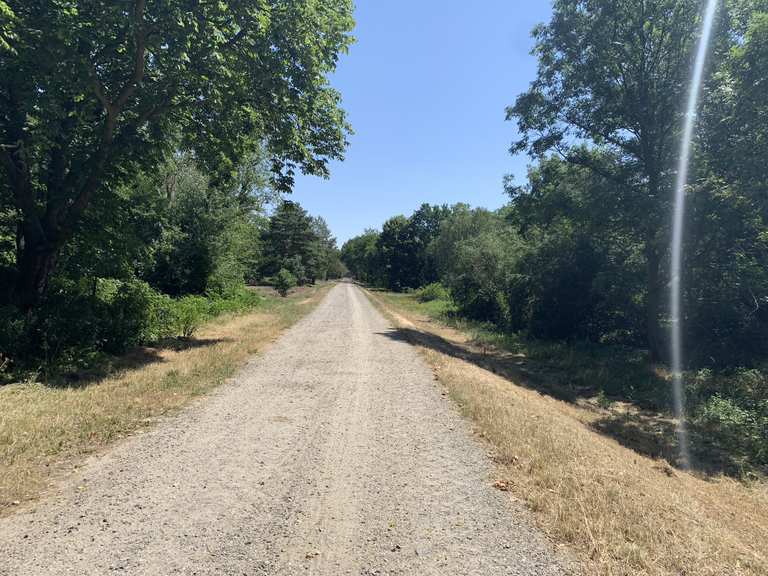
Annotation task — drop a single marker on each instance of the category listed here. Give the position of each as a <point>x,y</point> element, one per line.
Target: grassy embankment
<point>592,486</point>
<point>45,430</point>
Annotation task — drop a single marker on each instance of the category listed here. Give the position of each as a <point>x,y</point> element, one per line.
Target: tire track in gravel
<point>333,453</point>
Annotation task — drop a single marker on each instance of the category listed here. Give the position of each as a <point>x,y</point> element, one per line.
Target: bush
<point>190,312</point>
<point>284,281</point>
<point>431,292</point>
<point>127,314</point>
<point>296,268</point>
<point>730,415</point>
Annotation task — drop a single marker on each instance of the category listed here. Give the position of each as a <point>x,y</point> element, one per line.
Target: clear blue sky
<point>425,87</point>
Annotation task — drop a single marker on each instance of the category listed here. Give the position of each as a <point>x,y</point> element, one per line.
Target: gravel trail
<point>333,453</point>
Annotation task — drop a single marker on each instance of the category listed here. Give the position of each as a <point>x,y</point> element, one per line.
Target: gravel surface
<point>333,453</point>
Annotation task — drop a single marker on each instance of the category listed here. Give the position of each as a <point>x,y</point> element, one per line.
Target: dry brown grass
<point>622,513</point>
<point>44,431</point>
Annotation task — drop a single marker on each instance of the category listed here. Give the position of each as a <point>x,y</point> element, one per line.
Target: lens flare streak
<point>677,229</point>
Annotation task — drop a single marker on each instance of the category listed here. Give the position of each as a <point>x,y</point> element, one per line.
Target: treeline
<point>141,147</point>
<point>581,251</point>
<point>179,251</point>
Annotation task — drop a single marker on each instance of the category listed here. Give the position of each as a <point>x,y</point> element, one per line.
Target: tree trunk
<point>35,264</point>
<point>653,303</point>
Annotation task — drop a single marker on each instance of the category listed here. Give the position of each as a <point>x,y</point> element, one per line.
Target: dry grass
<point>621,512</point>
<point>45,430</point>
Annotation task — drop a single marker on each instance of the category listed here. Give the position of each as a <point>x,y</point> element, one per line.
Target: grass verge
<point>45,430</point>
<point>622,512</point>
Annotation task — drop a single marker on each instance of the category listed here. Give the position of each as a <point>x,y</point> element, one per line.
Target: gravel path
<point>333,453</point>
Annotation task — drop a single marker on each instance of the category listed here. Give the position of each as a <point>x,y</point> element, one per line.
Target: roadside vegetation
<point>621,511</point>
<point>47,428</point>
<point>572,273</point>
<point>143,168</point>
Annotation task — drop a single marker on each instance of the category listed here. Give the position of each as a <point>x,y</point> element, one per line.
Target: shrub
<point>295,267</point>
<point>191,312</point>
<point>284,281</point>
<point>128,314</point>
<point>162,318</point>
<point>431,292</point>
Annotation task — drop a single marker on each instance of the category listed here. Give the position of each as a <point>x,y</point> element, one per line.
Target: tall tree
<point>734,127</point>
<point>290,242</point>
<point>360,256</point>
<point>614,73</point>
<point>91,92</point>
<point>394,253</point>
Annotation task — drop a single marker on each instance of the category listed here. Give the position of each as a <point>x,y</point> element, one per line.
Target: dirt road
<point>333,453</point>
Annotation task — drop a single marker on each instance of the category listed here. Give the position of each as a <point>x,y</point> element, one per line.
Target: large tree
<point>290,242</point>
<point>91,92</point>
<point>360,256</point>
<point>614,73</point>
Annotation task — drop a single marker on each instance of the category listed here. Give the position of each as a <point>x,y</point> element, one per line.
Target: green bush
<point>284,281</point>
<point>730,415</point>
<point>740,433</point>
<point>128,315</point>
<point>295,267</point>
<point>162,318</point>
<point>431,292</point>
<point>191,312</point>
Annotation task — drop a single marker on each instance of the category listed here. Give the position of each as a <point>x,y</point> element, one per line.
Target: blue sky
<point>425,87</point>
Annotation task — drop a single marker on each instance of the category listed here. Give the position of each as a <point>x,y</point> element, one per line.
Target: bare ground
<point>336,452</point>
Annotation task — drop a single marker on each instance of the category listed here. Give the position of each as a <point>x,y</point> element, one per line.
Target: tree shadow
<point>513,367</point>
<point>647,432</point>
<point>135,359</point>
<point>655,435</point>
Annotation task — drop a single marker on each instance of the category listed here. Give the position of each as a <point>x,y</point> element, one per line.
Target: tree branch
<point>140,39</point>
<point>113,109</point>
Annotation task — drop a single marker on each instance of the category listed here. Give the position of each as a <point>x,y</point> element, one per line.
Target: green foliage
<point>77,324</point>
<point>190,313</point>
<point>595,86</point>
<point>475,254</point>
<point>735,433</point>
<point>360,256</point>
<point>93,94</point>
<point>303,245</point>
<point>284,281</point>
<point>400,257</point>
<point>431,292</point>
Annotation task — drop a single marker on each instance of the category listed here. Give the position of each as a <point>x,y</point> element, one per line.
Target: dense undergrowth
<point>76,327</point>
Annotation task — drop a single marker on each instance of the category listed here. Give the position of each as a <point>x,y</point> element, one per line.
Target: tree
<point>404,248</point>
<point>583,262</point>
<point>284,281</point>
<point>395,254</point>
<point>326,252</point>
<point>290,242</point>
<point>614,74</point>
<point>735,134</point>
<point>360,256</point>
<point>423,228</point>
<point>476,253</point>
<point>92,93</point>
